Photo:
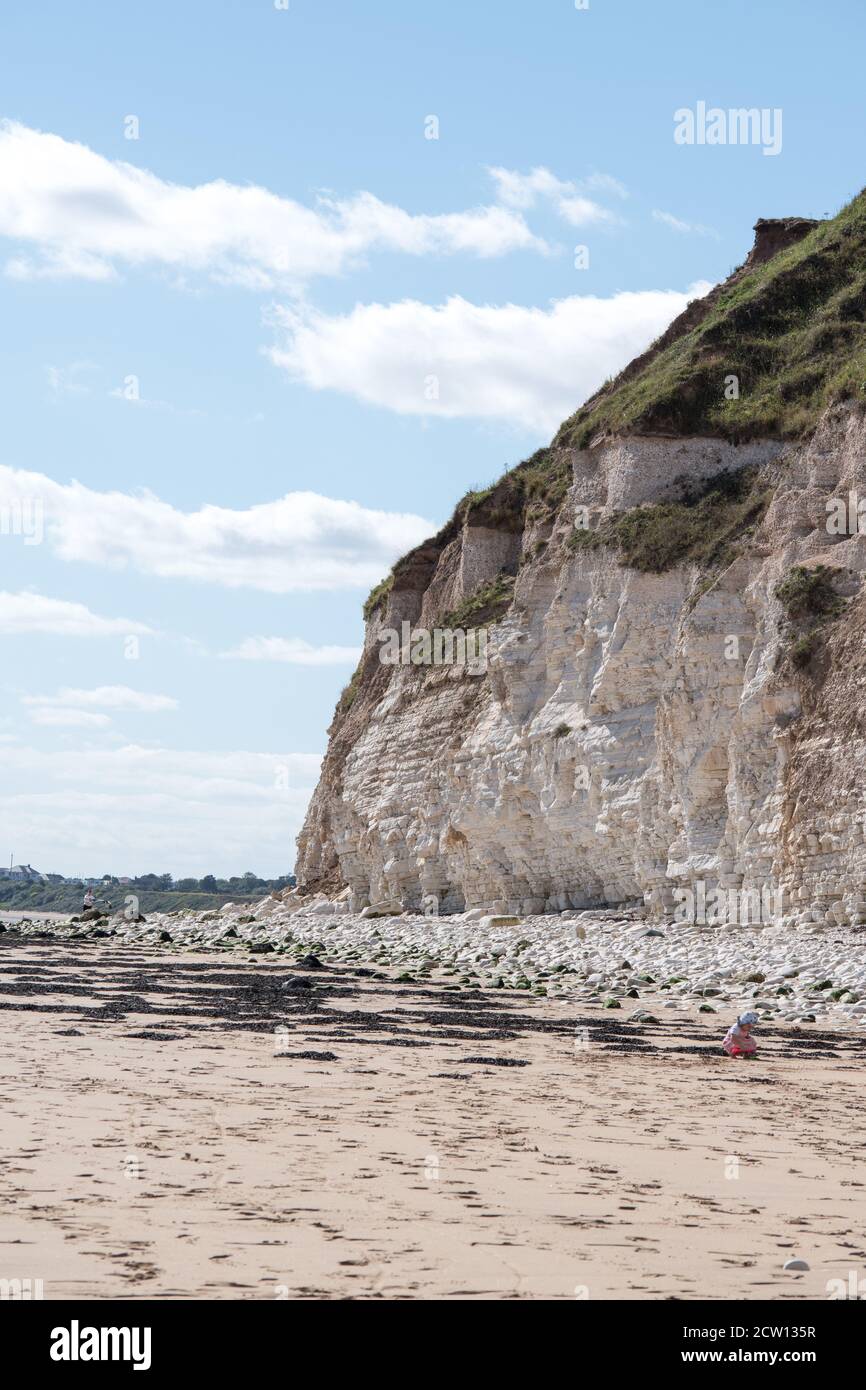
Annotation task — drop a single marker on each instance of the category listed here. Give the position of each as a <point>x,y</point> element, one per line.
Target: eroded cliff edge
<point>670,697</point>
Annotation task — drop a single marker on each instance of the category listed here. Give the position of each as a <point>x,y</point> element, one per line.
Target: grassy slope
<point>792,330</point>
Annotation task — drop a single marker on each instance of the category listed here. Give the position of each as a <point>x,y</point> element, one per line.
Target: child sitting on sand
<point>738,1041</point>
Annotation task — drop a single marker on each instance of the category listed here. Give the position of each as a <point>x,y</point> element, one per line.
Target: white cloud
<point>66,381</point>
<point>604,183</point>
<point>81,709</point>
<point>69,718</point>
<point>29,612</point>
<point>158,809</point>
<point>293,650</point>
<point>129,393</point>
<point>676,224</point>
<point>529,366</point>
<point>116,697</point>
<point>571,200</point>
<point>84,215</point>
<point>302,541</point>
<point>59,263</point>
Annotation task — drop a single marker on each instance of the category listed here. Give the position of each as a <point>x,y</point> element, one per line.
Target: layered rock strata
<point>634,732</point>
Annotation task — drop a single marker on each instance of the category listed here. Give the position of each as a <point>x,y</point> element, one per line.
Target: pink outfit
<point>736,1041</point>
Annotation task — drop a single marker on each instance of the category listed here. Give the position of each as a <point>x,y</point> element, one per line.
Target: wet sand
<point>162,1140</point>
<point>8,914</point>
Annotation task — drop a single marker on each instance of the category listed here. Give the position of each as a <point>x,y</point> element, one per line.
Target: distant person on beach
<point>738,1041</point>
<point>88,899</point>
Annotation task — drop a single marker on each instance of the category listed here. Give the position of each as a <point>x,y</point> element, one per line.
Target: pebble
<point>737,968</point>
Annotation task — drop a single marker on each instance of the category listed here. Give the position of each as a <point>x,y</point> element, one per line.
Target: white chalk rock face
<point>635,737</point>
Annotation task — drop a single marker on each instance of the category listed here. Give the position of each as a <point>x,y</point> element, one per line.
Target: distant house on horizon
<point>23,873</point>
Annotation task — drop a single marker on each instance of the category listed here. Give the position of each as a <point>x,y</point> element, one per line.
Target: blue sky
<point>219,338</point>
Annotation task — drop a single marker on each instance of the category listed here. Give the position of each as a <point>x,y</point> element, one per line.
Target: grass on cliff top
<point>535,487</point>
<point>793,332</point>
<point>702,527</point>
<point>378,595</point>
<point>532,490</point>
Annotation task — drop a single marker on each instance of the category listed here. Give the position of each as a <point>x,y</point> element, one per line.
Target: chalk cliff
<point>676,635</point>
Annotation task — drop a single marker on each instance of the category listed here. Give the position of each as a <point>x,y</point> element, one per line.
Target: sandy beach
<point>162,1139</point>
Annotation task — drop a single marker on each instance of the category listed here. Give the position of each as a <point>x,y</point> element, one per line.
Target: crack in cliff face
<point>640,727</point>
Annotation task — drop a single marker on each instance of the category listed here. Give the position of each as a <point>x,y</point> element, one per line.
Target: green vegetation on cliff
<point>810,600</point>
<point>532,490</point>
<point>700,528</point>
<point>792,330</point>
<point>762,356</point>
<point>377,596</point>
<point>487,603</point>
